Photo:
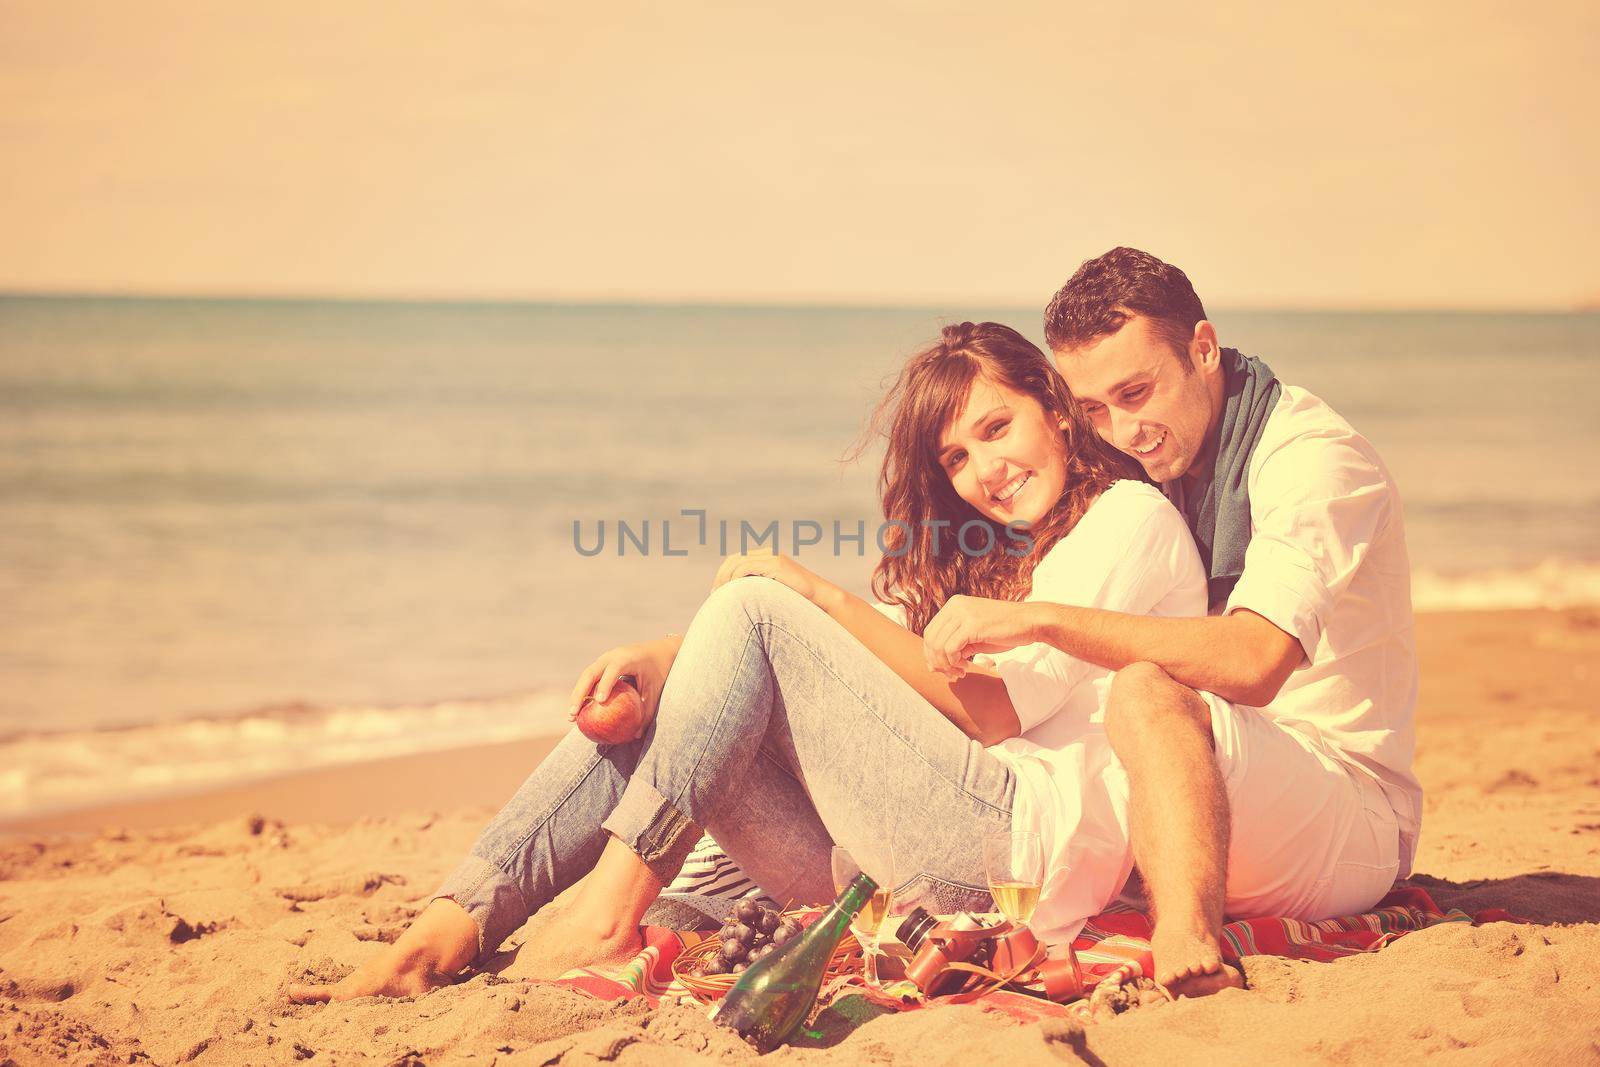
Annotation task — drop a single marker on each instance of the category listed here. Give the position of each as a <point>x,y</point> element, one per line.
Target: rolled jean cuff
<point>659,833</point>
<point>491,897</point>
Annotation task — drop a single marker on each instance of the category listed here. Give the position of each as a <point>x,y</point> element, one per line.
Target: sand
<point>166,932</point>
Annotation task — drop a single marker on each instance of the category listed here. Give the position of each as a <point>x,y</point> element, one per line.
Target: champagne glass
<point>1014,862</point>
<point>868,920</point>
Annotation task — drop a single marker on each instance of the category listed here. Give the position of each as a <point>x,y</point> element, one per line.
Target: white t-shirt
<point>1327,564</point>
<point>1129,552</point>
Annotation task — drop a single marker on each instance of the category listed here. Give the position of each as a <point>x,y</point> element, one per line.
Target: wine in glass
<point>870,918</point>
<point>1014,862</point>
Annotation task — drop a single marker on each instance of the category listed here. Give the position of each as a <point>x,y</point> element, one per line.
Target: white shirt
<point>1131,552</point>
<point>1327,564</point>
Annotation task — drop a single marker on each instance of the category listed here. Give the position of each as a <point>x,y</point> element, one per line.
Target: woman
<point>792,715</point>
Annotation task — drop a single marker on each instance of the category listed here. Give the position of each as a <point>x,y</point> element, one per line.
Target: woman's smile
<point>1007,492</point>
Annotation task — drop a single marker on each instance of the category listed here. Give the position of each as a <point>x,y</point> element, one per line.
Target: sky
<point>1437,154</point>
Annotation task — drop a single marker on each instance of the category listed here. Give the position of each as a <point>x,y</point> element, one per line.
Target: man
<point>1268,746</point>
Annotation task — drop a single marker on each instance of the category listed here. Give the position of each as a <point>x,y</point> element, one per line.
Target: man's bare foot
<point>442,940</point>
<point>1190,964</point>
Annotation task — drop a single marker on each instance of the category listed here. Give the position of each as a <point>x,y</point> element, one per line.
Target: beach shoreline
<point>484,775</point>
<point>167,930</point>
<point>469,776</point>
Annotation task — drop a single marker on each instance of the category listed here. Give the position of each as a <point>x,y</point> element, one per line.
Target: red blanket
<point>1112,947</point>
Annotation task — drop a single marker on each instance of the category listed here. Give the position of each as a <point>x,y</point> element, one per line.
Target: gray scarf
<point>1217,503</point>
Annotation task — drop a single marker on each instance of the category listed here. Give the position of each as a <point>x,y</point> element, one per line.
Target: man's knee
<point>1145,702</point>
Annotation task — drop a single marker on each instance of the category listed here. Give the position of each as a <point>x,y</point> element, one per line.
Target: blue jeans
<point>779,733</point>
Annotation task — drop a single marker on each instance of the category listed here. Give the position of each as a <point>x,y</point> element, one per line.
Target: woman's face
<point>1004,454</point>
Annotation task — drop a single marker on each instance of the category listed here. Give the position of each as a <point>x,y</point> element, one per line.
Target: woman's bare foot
<point>576,938</point>
<point>442,940</point>
<point>1189,963</point>
<point>599,925</point>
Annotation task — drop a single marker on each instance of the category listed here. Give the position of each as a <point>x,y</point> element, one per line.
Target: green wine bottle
<point>772,999</point>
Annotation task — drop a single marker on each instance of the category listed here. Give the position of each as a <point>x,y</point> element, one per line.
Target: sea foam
<point>50,772</point>
<point>1550,584</point>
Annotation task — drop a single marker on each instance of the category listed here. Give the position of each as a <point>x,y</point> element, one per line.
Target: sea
<point>240,538</point>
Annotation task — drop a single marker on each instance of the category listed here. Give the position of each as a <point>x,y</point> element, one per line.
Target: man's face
<point>1141,397</point>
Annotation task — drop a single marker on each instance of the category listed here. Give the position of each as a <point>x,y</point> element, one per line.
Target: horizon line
<point>722,304</point>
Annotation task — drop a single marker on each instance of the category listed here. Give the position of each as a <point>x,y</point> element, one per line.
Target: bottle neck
<point>852,900</point>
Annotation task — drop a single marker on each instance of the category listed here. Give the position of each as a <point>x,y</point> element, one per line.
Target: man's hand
<point>1241,657</point>
<point>969,625</point>
<point>779,568</point>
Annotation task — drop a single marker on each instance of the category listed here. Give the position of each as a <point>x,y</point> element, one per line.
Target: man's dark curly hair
<point>1106,290</point>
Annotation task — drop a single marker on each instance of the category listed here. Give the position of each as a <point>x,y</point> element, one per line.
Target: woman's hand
<point>647,664</point>
<point>969,625</point>
<point>780,568</point>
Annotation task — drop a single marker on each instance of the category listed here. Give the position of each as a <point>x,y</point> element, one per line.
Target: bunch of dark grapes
<point>749,933</point>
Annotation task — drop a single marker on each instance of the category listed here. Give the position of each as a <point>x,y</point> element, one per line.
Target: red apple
<point>618,719</point>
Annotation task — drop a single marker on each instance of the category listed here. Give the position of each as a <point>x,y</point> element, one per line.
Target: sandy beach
<point>166,932</point>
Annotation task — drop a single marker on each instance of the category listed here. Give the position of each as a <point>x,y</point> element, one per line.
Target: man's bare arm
<point>1240,657</point>
<point>978,703</point>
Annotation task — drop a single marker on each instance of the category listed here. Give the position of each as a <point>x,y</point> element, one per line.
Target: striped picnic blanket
<point>1113,946</point>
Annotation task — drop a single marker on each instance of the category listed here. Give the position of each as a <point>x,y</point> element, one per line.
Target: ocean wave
<point>45,772</point>
<point>1551,584</point>
<point>51,772</point>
